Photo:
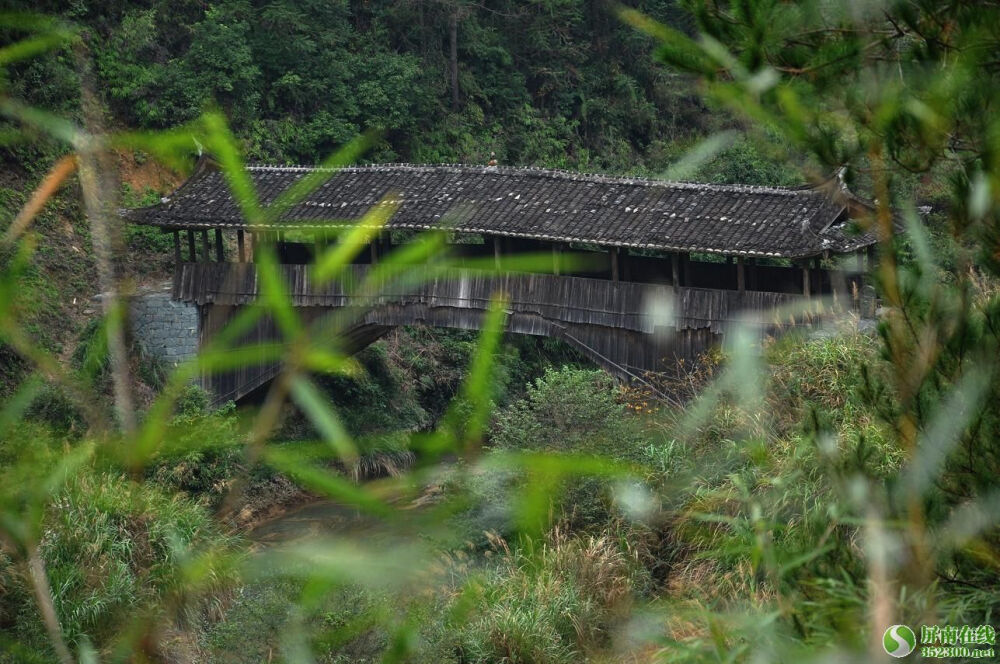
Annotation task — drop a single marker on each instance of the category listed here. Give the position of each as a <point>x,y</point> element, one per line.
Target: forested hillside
<point>558,83</point>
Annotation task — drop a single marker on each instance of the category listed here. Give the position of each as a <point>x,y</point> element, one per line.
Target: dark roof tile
<point>534,203</point>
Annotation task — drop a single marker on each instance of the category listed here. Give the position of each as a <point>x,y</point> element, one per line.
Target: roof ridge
<point>534,171</point>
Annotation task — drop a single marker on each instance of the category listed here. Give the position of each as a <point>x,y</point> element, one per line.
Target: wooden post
<point>177,247</point>
<point>219,255</point>
<point>556,258</point>
<point>614,264</point>
<point>241,247</point>
<point>675,268</point>
<point>191,255</point>
<point>204,245</point>
<point>805,279</point>
<point>741,277</point>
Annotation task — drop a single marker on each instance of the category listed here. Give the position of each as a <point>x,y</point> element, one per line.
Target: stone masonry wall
<point>165,329</point>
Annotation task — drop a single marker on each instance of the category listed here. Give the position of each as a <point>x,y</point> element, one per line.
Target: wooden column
<point>675,268</point>
<point>614,264</point>
<point>204,246</point>
<point>177,262</point>
<point>741,277</point>
<point>240,246</point>
<point>806,289</point>
<point>219,255</point>
<point>191,254</point>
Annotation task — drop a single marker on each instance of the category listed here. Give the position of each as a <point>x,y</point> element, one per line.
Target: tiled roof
<point>541,204</point>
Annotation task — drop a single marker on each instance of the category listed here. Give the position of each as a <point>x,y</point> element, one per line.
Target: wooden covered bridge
<point>715,252</point>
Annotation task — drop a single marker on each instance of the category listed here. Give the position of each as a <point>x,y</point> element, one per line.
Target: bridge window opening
<point>295,247</point>
<point>296,250</point>
<point>818,275</point>
<point>466,238</point>
<point>204,246</point>
<point>219,252</point>
<point>617,264</point>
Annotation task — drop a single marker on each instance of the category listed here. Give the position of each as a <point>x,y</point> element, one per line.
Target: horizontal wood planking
<point>580,300</point>
<point>611,323</point>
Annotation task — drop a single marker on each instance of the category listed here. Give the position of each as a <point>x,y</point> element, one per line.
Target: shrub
<point>52,406</point>
<point>571,411</point>
<point>565,410</point>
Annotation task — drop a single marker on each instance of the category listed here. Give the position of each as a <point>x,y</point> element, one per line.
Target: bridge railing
<point>581,300</point>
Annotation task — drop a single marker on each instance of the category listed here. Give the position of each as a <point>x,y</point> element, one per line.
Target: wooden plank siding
<point>620,305</point>
<point>610,322</point>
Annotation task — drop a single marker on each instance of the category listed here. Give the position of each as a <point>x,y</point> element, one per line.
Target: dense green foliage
<point>559,83</point>
<point>794,505</point>
<point>299,79</point>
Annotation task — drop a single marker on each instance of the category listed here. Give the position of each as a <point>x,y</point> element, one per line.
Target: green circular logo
<point>899,640</point>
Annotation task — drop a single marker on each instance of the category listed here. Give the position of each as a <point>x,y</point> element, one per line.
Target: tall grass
<point>558,600</point>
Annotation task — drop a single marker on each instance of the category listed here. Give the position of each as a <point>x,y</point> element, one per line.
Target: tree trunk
<point>453,58</point>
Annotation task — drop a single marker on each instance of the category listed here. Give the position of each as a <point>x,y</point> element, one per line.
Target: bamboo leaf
<point>325,420</point>
<point>324,482</point>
